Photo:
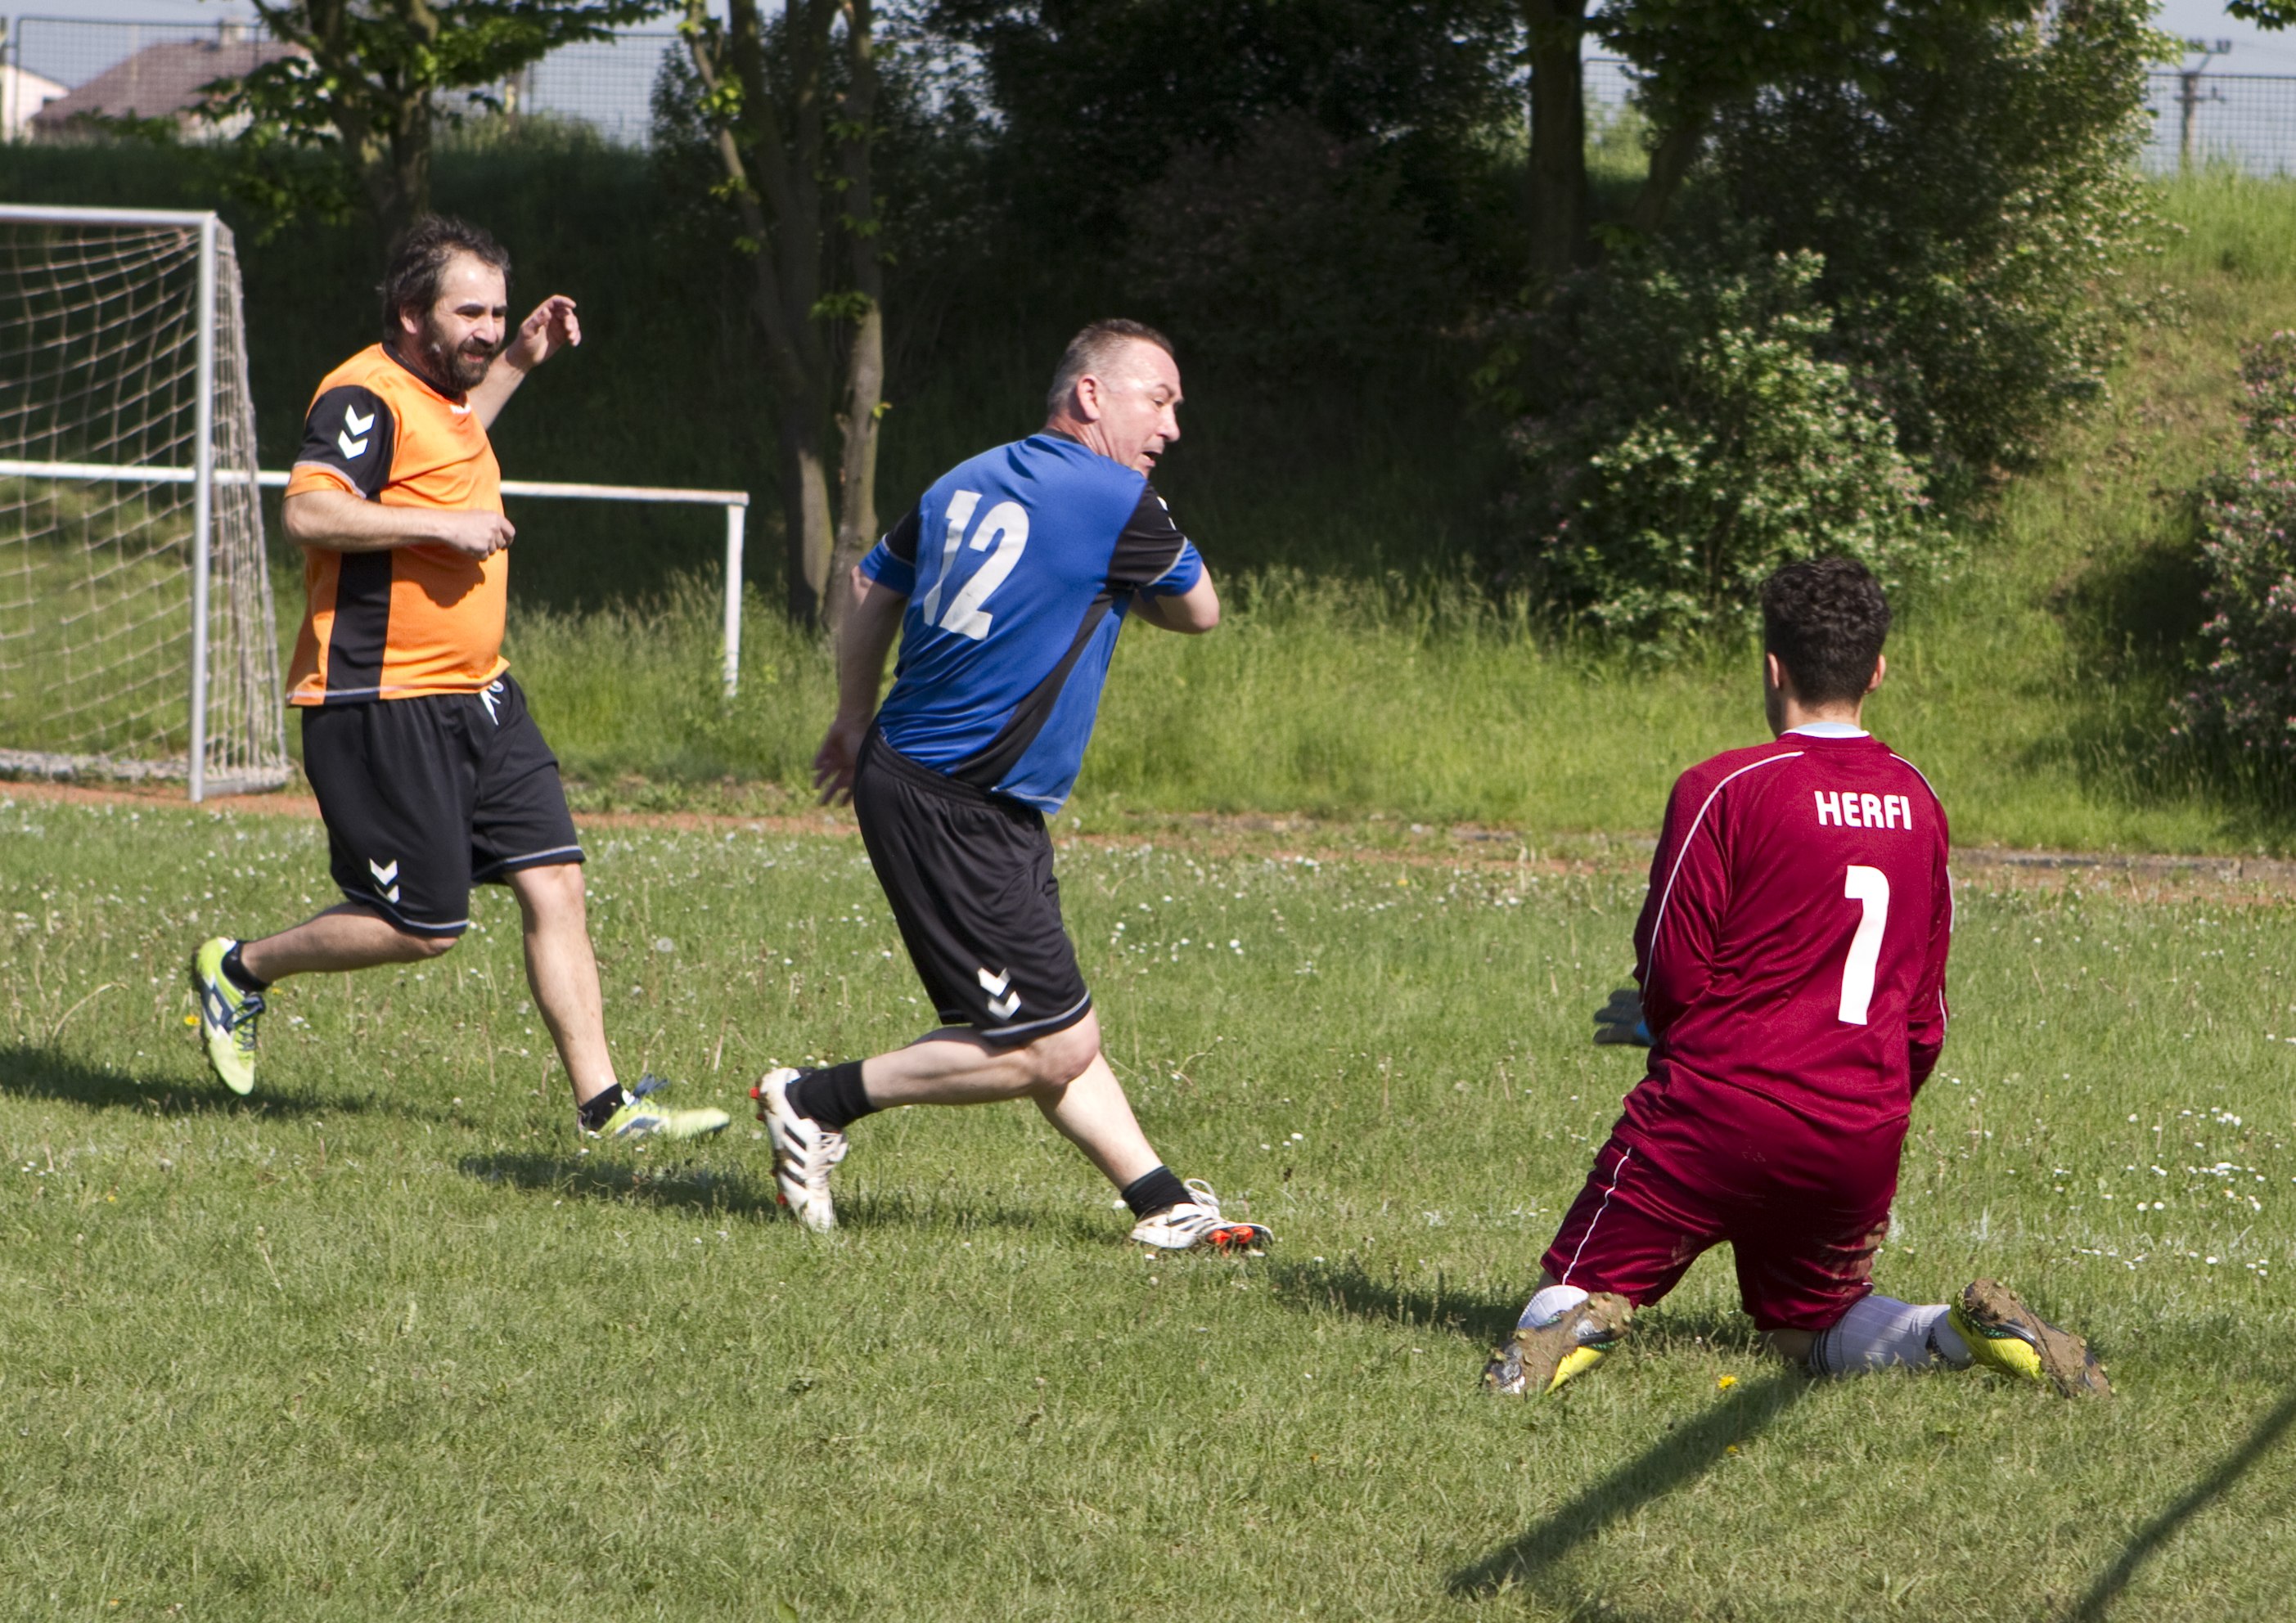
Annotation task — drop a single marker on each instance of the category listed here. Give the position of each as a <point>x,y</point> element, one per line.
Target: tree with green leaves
<point>365,86</point>
<point>1692,57</point>
<point>790,106</point>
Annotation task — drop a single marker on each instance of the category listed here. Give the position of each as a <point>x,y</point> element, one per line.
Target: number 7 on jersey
<point>1870,889</point>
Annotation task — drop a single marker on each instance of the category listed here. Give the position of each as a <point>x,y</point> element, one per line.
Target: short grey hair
<point>1092,350</point>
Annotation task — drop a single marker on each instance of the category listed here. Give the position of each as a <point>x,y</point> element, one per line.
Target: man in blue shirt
<point>1007,584</point>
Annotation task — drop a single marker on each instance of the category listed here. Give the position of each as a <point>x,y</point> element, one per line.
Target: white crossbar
<point>734,502</point>
<point>45,214</point>
<point>272,478</point>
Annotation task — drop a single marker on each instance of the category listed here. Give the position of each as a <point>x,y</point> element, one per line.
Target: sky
<point>2253,51</point>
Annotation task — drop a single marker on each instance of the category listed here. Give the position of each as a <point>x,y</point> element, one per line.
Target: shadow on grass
<point>742,1192</point>
<point>41,1073</point>
<point>1478,1318</point>
<point>2093,1606</point>
<point>1683,1454</point>
<point>1345,1287</point>
<point>686,1188</point>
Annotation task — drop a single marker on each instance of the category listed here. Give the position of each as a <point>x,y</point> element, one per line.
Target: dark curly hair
<point>1826,619</point>
<point>420,264</point>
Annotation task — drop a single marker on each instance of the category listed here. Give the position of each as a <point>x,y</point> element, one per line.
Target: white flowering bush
<point>2245,699</point>
<point>1703,443</point>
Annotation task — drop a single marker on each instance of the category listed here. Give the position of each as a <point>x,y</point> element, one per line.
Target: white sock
<point>1882,1332</point>
<point>1548,1306</point>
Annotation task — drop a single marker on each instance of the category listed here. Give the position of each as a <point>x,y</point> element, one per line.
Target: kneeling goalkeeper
<point>1792,953</point>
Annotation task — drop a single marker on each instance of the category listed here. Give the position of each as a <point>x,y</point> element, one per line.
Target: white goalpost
<point>137,638</point>
<point>138,635</point>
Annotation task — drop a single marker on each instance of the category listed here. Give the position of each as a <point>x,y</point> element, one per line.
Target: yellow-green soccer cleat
<point>1535,1362</point>
<point>2004,1334</point>
<point>227,1016</point>
<point>641,1118</point>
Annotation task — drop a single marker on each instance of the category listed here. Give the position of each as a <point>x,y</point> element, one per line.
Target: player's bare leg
<point>562,970</point>
<point>229,977</point>
<point>232,977</point>
<point>1063,1073</point>
<point>343,938</point>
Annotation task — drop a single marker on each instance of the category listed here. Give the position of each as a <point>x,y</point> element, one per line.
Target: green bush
<point>1707,442</point>
<point>1979,212</point>
<point>2245,700</point>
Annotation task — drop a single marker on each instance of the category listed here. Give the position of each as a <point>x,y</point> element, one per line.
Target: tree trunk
<point>856,493</point>
<point>865,359</point>
<point>775,160</point>
<point>804,512</point>
<point>1670,161</point>
<point>410,166</point>
<point>1558,137</point>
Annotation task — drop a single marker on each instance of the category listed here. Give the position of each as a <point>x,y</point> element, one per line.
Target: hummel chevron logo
<point>353,424</point>
<point>999,1003</point>
<point>386,879</point>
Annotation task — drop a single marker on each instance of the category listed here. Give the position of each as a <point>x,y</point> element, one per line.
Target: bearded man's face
<point>456,340</point>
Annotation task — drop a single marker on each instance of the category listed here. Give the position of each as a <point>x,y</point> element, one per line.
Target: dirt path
<point>2253,880</point>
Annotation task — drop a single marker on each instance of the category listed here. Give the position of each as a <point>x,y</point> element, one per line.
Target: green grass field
<point>387,1341</point>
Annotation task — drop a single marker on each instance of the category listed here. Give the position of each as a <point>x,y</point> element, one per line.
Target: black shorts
<point>970,878</point>
<point>424,798</point>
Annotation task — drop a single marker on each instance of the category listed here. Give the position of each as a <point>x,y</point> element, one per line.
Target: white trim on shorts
<point>1618,1172</point>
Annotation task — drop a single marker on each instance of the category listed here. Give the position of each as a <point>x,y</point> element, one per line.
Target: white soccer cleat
<point>804,1151</point>
<point>1197,1224</point>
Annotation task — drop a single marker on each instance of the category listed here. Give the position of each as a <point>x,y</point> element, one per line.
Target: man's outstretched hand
<point>553,326</point>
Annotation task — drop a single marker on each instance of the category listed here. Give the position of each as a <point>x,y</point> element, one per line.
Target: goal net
<point>136,634</point>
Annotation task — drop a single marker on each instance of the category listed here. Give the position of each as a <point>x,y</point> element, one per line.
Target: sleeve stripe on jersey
<point>1952,901</point>
<point>1952,897</point>
<point>1658,925</point>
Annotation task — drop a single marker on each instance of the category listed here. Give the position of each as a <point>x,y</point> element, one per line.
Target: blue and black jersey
<point>1019,566</point>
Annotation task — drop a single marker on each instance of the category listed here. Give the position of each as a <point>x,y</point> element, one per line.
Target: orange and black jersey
<point>411,619</point>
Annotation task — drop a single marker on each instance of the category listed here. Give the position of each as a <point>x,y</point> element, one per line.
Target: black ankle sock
<point>595,1109</point>
<point>832,1096</point>
<point>1153,1192</point>
<point>238,973</point>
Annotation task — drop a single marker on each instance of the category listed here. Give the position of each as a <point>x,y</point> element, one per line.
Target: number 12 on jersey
<point>1002,534</point>
<point>1870,889</point>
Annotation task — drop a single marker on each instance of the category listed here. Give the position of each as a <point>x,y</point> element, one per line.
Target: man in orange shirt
<point>430,775</point>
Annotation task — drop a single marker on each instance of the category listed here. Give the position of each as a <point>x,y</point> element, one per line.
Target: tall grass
<point>1356,674</point>
<point>2031,684</point>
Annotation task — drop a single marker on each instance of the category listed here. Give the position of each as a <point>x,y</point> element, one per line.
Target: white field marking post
<point>736,515</point>
<point>203,509</point>
<point>736,504</point>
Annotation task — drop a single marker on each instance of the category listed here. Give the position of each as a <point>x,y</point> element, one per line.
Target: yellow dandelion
<point>1724,1384</point>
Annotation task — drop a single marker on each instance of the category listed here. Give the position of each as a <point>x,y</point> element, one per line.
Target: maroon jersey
<point>1793,942</point>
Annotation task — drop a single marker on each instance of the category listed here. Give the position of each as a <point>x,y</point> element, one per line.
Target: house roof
<point>160,80</point>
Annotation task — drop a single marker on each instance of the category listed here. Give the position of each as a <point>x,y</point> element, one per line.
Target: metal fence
<point>2245,119</point>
